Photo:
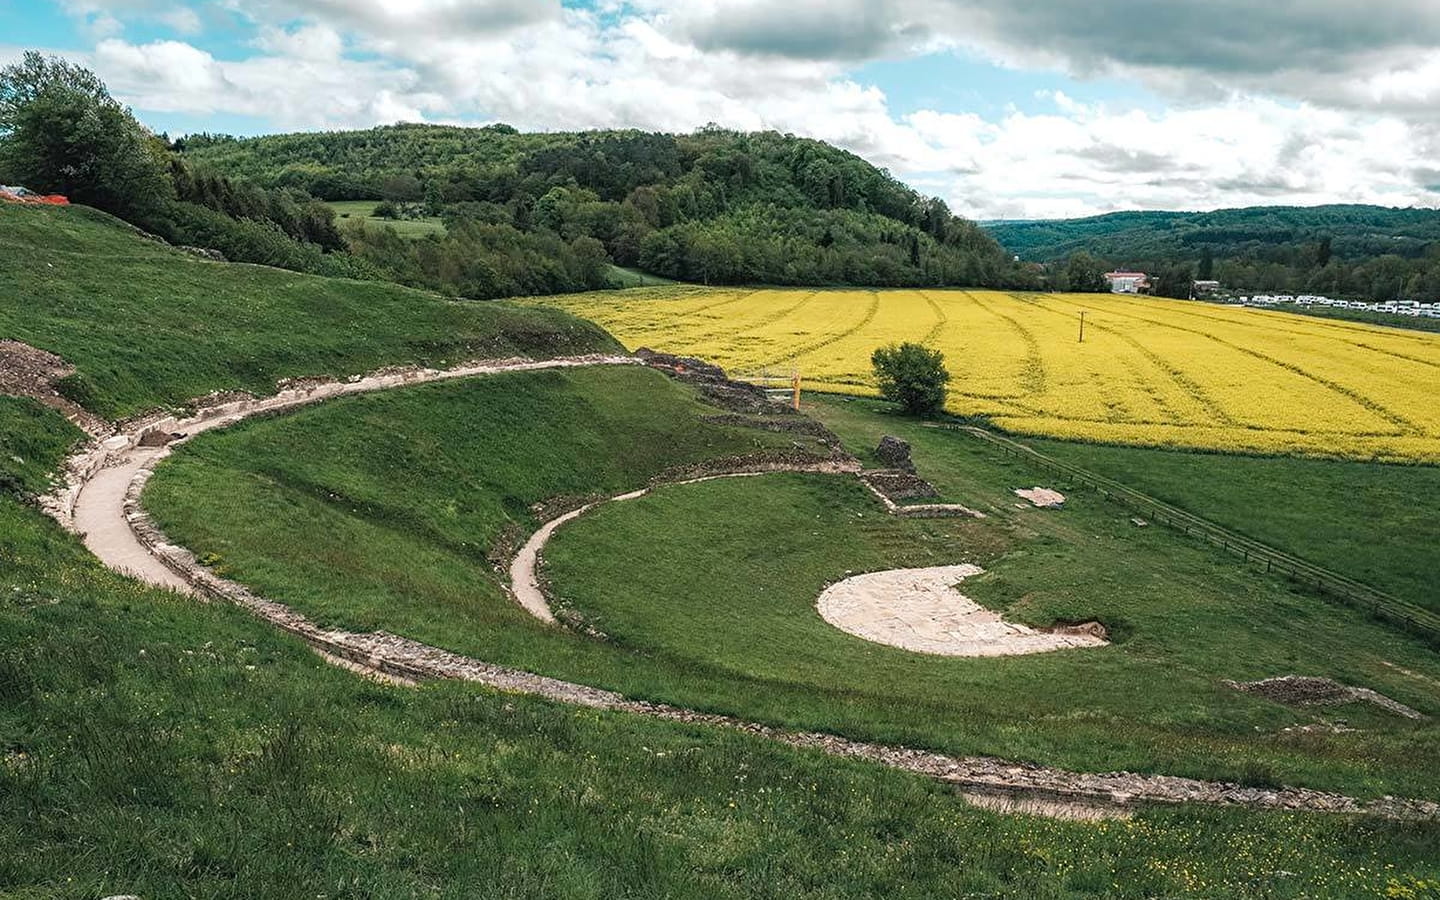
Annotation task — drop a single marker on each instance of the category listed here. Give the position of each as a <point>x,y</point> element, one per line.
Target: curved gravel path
<point>101,500</point>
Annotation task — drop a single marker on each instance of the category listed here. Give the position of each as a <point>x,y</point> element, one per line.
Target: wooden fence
<point>1388,607</point>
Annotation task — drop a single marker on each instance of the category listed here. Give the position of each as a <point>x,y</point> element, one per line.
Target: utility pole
<point>1082,326</point>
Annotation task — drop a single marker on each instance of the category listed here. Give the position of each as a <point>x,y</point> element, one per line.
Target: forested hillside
<point>1365,251</point>
<point>717,206</point>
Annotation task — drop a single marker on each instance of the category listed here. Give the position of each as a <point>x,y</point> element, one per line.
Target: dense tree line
<point>525,213</point>
<point>62,132</point>
<point>717,206</point>
<point>1348,251</point>
<point>480,260</point>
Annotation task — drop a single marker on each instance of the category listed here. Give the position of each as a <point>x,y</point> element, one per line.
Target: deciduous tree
<point>913,376</point>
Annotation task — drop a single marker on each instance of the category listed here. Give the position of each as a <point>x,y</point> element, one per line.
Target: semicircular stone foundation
<point>920,610</point>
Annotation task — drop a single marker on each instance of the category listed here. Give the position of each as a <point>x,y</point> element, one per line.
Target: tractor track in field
<point>808,348</point>
<point>1186,384</point>
<point>691,318</point>
<point>1405,426</point>
<point>101,501</point>
<point>942,319</point>
<point>764,322</point>
<point>1032,377</point>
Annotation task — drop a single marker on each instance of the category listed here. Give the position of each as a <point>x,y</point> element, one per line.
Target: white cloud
<point>313,91</point>
<point>1247,151</point>
<point>652,64</point>
<point>309,42</point>
<point>407,19</point>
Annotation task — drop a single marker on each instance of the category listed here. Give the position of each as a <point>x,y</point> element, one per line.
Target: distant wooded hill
<point>716,206</point>
<point>1370,251</point>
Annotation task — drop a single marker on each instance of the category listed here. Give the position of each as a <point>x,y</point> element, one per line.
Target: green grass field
<point>160,747</point>
<point>148,325</point>
<point>716,611</point>
<point>153,745</point>
<point>347,210</point>
<point>1374,523</point>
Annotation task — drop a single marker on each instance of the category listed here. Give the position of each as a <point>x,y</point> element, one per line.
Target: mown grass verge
<point>363,211</point>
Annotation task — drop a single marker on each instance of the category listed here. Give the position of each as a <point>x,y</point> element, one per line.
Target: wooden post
<point>795,387</point>
<point>1082,326</point>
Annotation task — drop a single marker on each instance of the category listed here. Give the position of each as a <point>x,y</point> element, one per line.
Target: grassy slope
<point>392,525</point>
<point>147,324</point>
<point>715,610</point>
<point>1186,618</point>
<point>166,748</point>
<point>1372,522</point>
<point>156,746</point>
<point>190,751</point>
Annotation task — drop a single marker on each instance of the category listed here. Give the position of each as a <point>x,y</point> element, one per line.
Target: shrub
<point>913,376</point>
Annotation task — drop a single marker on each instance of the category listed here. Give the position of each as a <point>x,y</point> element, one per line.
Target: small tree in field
<point>913,376</point>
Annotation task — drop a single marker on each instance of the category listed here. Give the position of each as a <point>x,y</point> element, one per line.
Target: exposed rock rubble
<point>921,510</point>
<point>27,371</point>
<point>714,385</point>
<point>900,485</point>
<point>1306,690</point>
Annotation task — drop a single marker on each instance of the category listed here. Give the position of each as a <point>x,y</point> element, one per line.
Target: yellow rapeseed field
<point>1150,371</point>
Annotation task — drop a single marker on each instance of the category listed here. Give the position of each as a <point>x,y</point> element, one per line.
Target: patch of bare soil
<point>1041,498</point>
<point>27,371</point>
<point>1306,690</point>
<point>920,610</point>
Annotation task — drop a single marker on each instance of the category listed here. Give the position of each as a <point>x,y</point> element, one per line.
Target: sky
<point>1004,108</point>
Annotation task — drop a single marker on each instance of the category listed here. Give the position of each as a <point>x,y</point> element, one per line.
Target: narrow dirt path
<point>125,453</point>
<point>524,568</point>
<point>102,500</point>
<point>100,521</point>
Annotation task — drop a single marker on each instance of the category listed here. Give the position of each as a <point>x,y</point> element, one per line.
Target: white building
<point>1127,282</point>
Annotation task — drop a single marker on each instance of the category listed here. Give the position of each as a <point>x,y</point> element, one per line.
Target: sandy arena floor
<point>920,610</point>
